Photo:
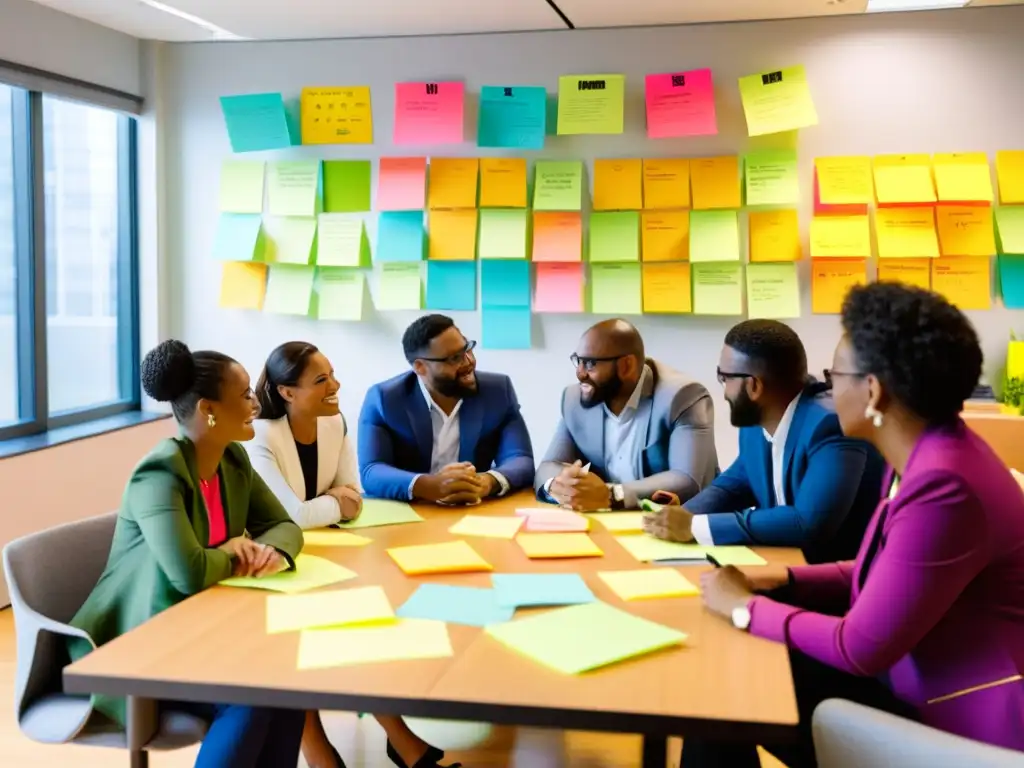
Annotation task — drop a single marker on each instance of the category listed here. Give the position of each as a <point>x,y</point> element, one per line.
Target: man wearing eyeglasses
<point>442,432</point>
<point>630,427</point>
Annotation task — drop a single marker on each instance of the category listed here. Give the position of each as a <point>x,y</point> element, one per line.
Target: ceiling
<point>310,19</point>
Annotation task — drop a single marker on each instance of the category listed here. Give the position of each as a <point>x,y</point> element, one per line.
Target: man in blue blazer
<point>443,432</point>
<point>798,482</point>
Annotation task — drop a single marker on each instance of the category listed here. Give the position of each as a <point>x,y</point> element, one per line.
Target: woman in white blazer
<point>303,452</point>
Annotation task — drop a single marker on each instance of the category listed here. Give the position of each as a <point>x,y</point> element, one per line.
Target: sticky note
<point>559,288</point>
<point>620,522</point>
<point>616,289</point>
<point>903,179</point>
<point>293,188</point>
<point>1011,281</point>
<point>715,182</point>
<point>453,182</point>
<point>399,287</point>
<point>341,241</point>
<point>844,180</point>
<point>1010,172</point>
<point>400,236</point>
<point>666,184</point>
<point>472,606</point>
<point>533,590</point>
<point>310,572</point>
<point>451,285</point>
<point>777,101</point>
<point>340,115</point>
<point>256,122</point>
<point>850,209</point>
<point>665,235</point>
<point>666,288</point>
<point>736,555</point>
<point>680,104</point>
<point>487,526</point>
<point>340,294</point>
<point>771,177</point>
<point>965,281</point>
<point>291,240</point>
<point>557,545</point>
<point>774,236</point>
<point>512,116</point>
<point>329,537</point>
<point>831,280</point>
<point>239,237</point>
<point>906,233</point>
<point>1010,222</point>
<point>346,186</point>
<point>503,233</point>
<point>915,272</point>
<point>965,230</point>
<point>773,291</point>
<point>648,583</point>
<point>503,182</point>
<point>552,520</point>
<point>646,548</point>
<point>618,185</point>
<point>714,236</point>
<point>507,328</point>
<point>449,557</point>
<point>557,236</point>
<point>840,237</point>
<point>614,236</point>
<point>243,284</point>
<point>377,512</point>
<point>505,283</point>
<point>452,234</point>
<point>241,186</point>
<point>396,641</point>
<point>963,177</point>
<point>339,607</point>
<point>402,183</point>
<point>717,289</point>
<point>591,104</point>
<point>429,113</point>
<point>289,289</point>
<point>558,185</point>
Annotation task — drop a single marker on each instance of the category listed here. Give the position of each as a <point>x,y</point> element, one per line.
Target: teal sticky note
<point>1011,281</point>
<point>513,116</point>
<point>400,236</point>
<point>289,290</point>
<point>256,122</point>
<point>239,237</point>
<point>506,328</point>
<point>472,606</point>
<point>451,285</point>
<point>505,284</point>
<point>525,590</point>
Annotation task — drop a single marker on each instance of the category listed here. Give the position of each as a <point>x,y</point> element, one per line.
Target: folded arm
<point>379,476</point>
<point>317,512</point>
<point>269,523</point>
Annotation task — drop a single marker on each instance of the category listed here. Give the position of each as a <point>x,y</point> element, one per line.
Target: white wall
<point>923,82</point>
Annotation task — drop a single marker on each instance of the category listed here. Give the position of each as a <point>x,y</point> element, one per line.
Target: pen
<point>711,559</point>
<point>585,468</point>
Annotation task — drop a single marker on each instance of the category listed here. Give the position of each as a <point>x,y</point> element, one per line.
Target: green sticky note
<point>616,289</point>
<point>239,237</point>
<point>399,286</point>
<point>583,637</point>
<point>340,294</point>
<point>647,548</point>
<point>771,177</point>
<point>377,512</point>
<point>714,236</point>
<point>294,188</point>
<point>615,236</point>
<point>717,289</point>
<point>558,185</point>
<point>773,291</point>
<point>502,234</point>
<point>289,290</point>
<point>341,242</point>
<point>310,572</point>
<point>591,104</point>
<point>241,186</point>
<point>346,186</point>
<point>291,240</point>
<point>1010,225</point>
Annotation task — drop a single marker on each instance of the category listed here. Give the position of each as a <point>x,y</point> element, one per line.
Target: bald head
<point>609,361</point>
<point>613,338</point>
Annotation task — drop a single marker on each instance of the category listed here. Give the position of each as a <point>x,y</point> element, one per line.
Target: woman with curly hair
<point>928,621</point>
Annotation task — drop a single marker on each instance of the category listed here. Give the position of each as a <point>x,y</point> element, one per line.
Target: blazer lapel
<point>471,418</point>
<point>793,436</point>
<point>419,419</point>
<point>283,445</point>
<point>328,449</point>
<point>235,493</point>
<point>199,516</point>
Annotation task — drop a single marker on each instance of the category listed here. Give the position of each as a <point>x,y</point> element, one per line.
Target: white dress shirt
<point>622,436</point>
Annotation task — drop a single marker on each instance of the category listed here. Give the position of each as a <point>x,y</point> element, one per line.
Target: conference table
<point>214,648</point>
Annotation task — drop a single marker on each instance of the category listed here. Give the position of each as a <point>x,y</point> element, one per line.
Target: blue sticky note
<point>256,121</point>
<point>521,590</point>
<point>451,285</point>
<point>1011,281</point>
<point>456,605</point>
<point>239,237</point>
<point>512,117</point>
<point>400,236</point>
<point>504,283</point>
<point>506,328</point>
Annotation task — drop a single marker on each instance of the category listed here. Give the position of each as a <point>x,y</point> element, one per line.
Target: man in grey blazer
<point>630,426</point>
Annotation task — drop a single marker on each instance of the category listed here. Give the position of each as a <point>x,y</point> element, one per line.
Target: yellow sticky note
<point>665,235</point>
<point>450,557</point>
<point>503,182</point>
<point>289,613</point>
<point>903,179</point>
<point>963,177</point>
<point>648,583</point>
<point>591,104</point>
<point>832,279</point>
<point>243,284</point>
<point>966,281</point>
<point>915,272</point>
<point>241,186</point>
<point>618,185</point>
<point>333,538</point>
<point>552,545</point>
<point>844,180</point>
<point>666,288</point>
<point>310,572</point>
<point>620,522</point>
<point>906,233</point>
<point>452,234</point>
<point>715,182</point>
<point>840,237</point>
<point>337,115</point>
<point>395,641</point>
<point>293,188</point>
<point>487,526</point>
<point>777,101</point>
<point>774,236</point>
<point>773,291</point>
<point>1010,171</point>
<point>666,184</point>
<point>452,182</point>
<point>966,230</point>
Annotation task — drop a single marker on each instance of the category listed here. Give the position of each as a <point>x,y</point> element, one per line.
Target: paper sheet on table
<point>453,182</point>
<point>340,115</point>
<point>507,327</point>
<point>243,285</point>
<point>451,285</point>
<point>289,290</point>
<point>840,237</point>
<point>452,234</point>
<point>1010,222</point>
<point>831,280</point>
<point>341,241</point>
<point>715,182</point>
<point>400,236</point>
<point>239,237</point>
<point>966,281</point>
<point>338,607</point>
<point>906,233</point>
<point>405,639</point>
<point>290,240</point>
<point>618,185</point>
<point>717,289</point>
<point>559,288</point>
<point>648,583</point>
<point>845,180</point>
<point>487,526</point>
<point>666,288</point>
<point>241,186</point>
<point>590,104</point>
<point>620,522</point>
<point>714,236</point>
<point>557,236</point>
<point>293,188</point>
<point>503,233</point>
<point>666,183</point>
<point>584,637</point>
<point>402,183</point>
<point>736,555</point>
<point>505,284</point>
<point>614,236</point>
<point>963,177</point>
<point>646,548</point>
<point>341,294</point>
<point>346,186</point>
<point>558,185</point>
<point>256,122</point>
<point>777,101</point>
<point>503,182</point>
<point>552,520</point>
<point>773,291</point>
<point>916,272</point>
<point>377,512</point>
<point>330,537</point>
<point>903,179</point>
<point>429,113</point>
<point>616,289</point>
<point>449,557</point>
<point>558,545</point>
<point>774,236</point>
<point>771,177</point>
<point>399,287</point>
<point>1011,281</point>
<point>472,606</point>
<point>514,117</point>
<point>665,235</point>
<point>680,104</point>
<point>532,590</point>
<point>1010,172</point>
<point>965,230</point>
<point>310,572</point>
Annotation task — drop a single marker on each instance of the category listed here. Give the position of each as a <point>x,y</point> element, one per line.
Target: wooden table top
<point>214,647</point>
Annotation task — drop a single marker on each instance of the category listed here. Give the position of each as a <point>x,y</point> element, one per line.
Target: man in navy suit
<point>443,432</point>
<point>798,482</point>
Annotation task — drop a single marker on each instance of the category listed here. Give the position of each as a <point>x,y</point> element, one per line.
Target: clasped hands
<point>250,558</point>
<point>456,484</point>
<point>349,501</point>
<point>580,491</point>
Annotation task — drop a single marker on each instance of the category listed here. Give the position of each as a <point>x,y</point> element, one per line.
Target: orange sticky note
<point>559,288</point>
<point>453,182</point>
<point>666,288</point>
<point>966,281</point>
<point>966,230</point>
<point>916,272</point>
<point>453,234</point>
<point>963,177</point>
<point>503,182</point>
<point>906,233</point>
<point>402,183</point>
<point>903,179</point>
<point>557,236</point>
<point>775,236</point>
<point>832,279</point>
<point>243,284</point>
<point>840,237</point>
<point>715,182</point>
<point>1010,171</point>
<point>450,557</point>
<point>618,185</point>
<point>552,545</point>
<point>666,184</point>
<point>665,235</point>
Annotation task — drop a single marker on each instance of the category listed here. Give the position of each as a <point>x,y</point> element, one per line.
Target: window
<point>8,329</point>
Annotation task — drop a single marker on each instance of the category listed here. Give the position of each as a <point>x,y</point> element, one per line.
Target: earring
<point>211,421</point>
<point>875,415</point>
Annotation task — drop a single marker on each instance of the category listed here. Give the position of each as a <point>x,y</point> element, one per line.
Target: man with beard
<point>442,432</point>
<point>630,427</point>
<point>798,482</point>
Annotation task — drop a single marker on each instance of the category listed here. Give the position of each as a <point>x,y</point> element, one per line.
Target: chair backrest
<point>848,735</point>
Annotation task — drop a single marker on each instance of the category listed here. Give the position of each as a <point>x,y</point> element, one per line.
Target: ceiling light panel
<point>635,13</point>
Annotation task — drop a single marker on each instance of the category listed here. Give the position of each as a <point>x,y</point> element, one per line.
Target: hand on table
<point>454,484</point>
<point>244,553</point>
<point>349,500</point>
<point>724,589</point>
<point>580,491</point>
<point>670,523</point>
<point>271,561</point>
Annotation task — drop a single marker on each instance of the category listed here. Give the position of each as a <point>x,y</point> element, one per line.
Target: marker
<point>712,560</point>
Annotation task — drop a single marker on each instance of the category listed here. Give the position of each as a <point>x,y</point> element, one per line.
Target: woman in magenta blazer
<point>928,621</point>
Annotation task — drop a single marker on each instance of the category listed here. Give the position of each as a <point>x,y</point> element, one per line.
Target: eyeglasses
<point>590,363</point>
<point>457,359</point>
<point>831,373</point>
<point>724,376</point>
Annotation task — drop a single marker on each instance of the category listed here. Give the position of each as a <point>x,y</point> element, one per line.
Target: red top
<point>214,511</point>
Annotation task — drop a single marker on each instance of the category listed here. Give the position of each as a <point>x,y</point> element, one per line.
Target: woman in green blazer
<point>194,513</point>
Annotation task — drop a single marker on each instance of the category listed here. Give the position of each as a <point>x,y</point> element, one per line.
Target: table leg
<point>655,753</point>
<point>139,758</point>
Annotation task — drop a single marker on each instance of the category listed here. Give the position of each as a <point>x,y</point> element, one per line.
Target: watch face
<point>741,617</point>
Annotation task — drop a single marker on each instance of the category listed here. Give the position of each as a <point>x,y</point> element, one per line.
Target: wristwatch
<point>618,495</point>
<point>741,618</point>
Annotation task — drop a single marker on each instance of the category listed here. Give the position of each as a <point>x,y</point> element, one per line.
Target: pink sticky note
<point>402,184</point>
<point>429,113</point>
<point>681,104</point>
<point>824,209</point>
<point>553,520</point>
<point>559,288</point>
